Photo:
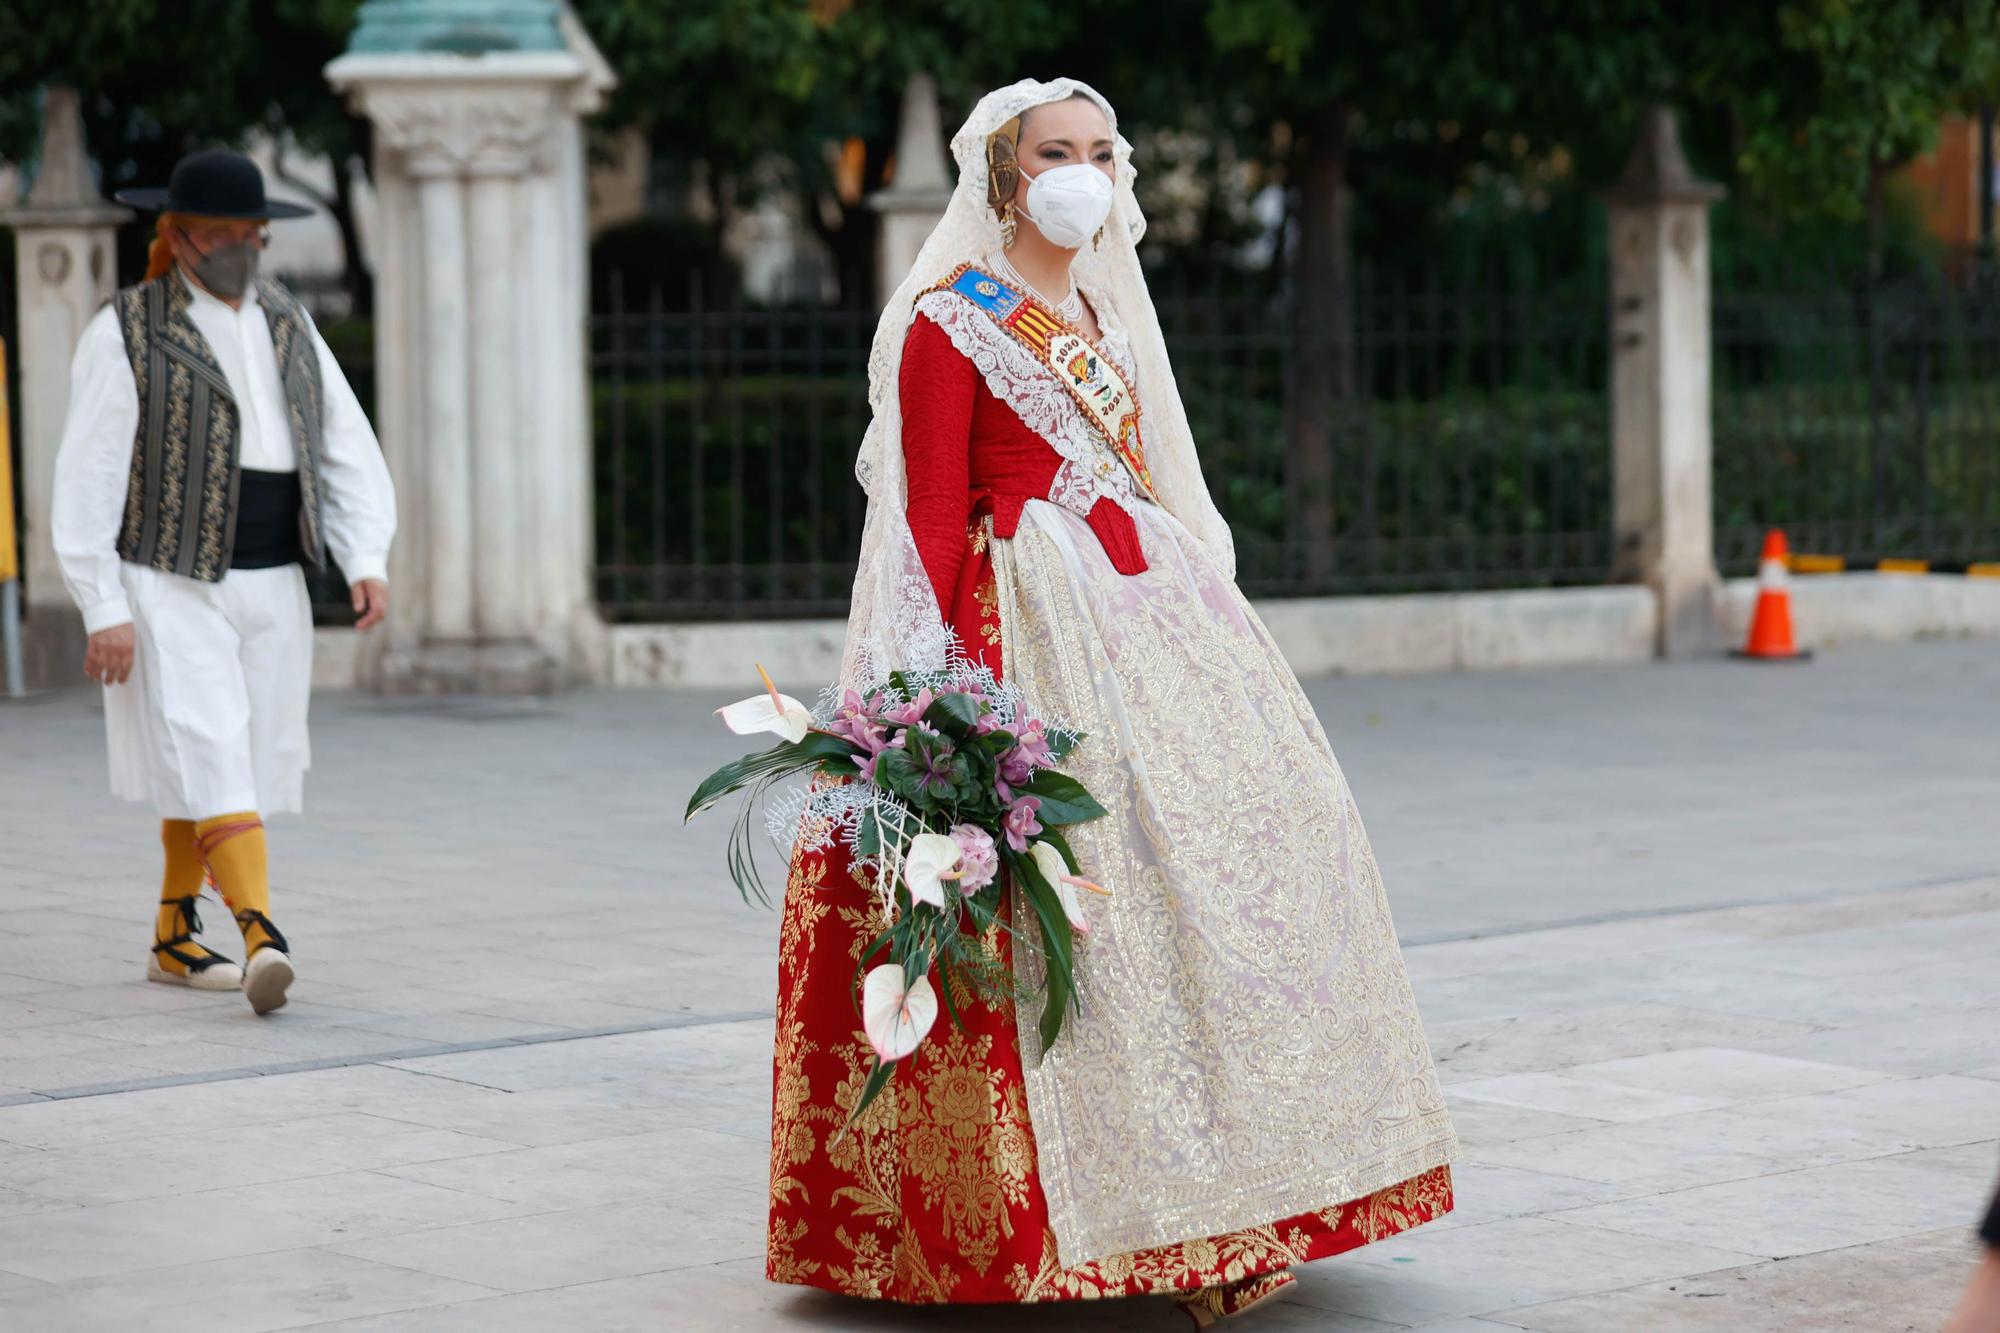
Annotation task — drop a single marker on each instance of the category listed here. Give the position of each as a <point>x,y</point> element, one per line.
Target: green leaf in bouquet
<point>897,772</point>
<point>781,760</point>
<point>874,946</point>
<point>1064,799</point>
<point>741,854</point>
<point>945,976</point>
<point>1060,980</point>
<point>953,714</point>
<point>1061,741</point>
<point>878,1078</point>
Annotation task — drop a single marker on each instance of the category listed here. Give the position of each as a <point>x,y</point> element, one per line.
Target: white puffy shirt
<point>94,461</point>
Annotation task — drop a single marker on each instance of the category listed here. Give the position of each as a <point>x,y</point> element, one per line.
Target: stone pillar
<point>1661,432</point>
<point>444,321</point>
<point>65,268</point>
<point>917,194</point>
<point>482,337</point>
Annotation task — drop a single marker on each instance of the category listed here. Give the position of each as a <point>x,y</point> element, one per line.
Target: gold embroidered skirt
<point>1246,1086</point>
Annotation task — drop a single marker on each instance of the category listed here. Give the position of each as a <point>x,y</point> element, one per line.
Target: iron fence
<point>725,445</point>
<point>1472,449</point>
<point>1865,424</point>
<point>1471,453</point>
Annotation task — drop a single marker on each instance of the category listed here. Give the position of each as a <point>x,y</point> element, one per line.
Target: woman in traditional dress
<point>1245,1085</point>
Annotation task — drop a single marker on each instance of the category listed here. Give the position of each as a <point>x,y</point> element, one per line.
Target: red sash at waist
<point>1005,493</point>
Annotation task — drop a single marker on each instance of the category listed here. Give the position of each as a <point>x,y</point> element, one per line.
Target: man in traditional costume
<point>213,453</point>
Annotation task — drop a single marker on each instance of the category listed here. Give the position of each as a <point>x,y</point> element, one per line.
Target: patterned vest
<point>180,506</point>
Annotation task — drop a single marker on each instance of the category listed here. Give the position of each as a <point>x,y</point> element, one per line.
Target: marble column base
<point>502,667</point>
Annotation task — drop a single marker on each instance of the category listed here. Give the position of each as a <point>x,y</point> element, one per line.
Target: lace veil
<point>894,621</point>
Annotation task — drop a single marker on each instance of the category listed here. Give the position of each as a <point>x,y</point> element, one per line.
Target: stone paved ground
<point>1705,951</point>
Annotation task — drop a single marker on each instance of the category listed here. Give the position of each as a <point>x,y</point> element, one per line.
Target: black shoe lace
<point>273,937</point>
<point>190,927</point>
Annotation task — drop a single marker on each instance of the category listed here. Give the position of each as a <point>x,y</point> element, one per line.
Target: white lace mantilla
<point>1091,469</point>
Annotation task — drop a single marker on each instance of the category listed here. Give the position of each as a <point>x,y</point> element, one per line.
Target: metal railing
<point>1867,425</point>
<point>724,460</point>
<point>1472,453</point>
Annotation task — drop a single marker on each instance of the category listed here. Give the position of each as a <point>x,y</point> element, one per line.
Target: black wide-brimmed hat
<point>214,183</point>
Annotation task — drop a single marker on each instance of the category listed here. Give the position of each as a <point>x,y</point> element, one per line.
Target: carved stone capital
<point>467,131</point>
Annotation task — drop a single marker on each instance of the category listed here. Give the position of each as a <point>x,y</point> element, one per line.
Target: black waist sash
<point>268,510</point>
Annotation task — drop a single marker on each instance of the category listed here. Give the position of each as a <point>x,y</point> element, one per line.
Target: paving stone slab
<point>1430,1275</point>
<point>290,1289</point>
<point>1725,1075</point>
<point>1902,1286</point>
<point>580,1245</point>
<point>1816,1208</point>
<point>68,1244</point>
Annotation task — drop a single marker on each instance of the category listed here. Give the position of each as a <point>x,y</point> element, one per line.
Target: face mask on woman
<point>1069,203</point>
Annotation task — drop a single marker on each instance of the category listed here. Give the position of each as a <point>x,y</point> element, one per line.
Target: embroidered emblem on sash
<point>1091,378</point>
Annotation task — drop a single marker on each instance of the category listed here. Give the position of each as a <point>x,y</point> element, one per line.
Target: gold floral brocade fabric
<point>933,1196</point>
<point>1247,1068</point>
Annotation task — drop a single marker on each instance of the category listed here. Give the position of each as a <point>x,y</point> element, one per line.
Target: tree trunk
<point>360,283</point>
<point>1323,372</point>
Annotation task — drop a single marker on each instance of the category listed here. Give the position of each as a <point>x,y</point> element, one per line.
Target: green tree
<point>1327,87</point>
<point>1823,100</point>
<point>159,80</point>
<point>723,87</point>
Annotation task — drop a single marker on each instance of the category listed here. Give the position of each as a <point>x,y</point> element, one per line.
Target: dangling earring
<point>1007,226</point>
<point>1097,239</point>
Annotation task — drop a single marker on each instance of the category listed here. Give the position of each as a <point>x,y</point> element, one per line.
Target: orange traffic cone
<point>1771,625</point>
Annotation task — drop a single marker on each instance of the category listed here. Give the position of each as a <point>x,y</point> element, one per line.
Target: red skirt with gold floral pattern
<point>932,1197</point>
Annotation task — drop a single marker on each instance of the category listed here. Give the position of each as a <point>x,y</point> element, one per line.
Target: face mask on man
<point>1069,203</point>
<point>227,270</point>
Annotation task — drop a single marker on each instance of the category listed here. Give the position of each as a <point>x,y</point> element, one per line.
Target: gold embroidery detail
<point>211,560</point>
<point>988,597</point>
<point>781,1264</point>
<point>1206,1261</point>
<point>173,469</point>
<point>1403,1205</point>
<point>870,1271</point>
<point>966,1142</point>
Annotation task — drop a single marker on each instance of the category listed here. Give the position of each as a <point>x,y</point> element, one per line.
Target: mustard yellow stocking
<point>233,848</point>
<point>180,886</point>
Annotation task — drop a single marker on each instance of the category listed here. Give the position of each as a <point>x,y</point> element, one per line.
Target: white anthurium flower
<point>771,711</point>
<point>895,1017</point>
<point>1056,871</point>
<point>930,860</point>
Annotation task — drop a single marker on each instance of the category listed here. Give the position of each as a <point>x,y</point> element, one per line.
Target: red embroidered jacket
<point>968,455</point>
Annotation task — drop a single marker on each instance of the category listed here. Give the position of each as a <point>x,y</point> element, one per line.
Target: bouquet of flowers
<point>938,781</point>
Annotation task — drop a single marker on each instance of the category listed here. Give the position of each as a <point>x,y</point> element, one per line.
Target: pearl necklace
<point>1070,307</point>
